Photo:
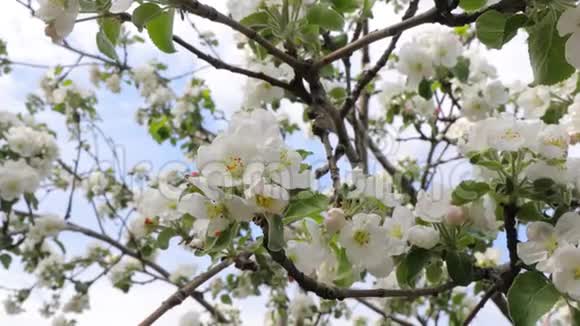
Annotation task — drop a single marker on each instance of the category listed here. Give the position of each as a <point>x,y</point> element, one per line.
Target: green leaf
<point>160,30</point>
<point>530,297</point>
<point>105,46</point>
<point>187,222</point>
<point>555,112</point>
<point>112,28</point>
<point>164,237</point>
<point>547,52</point>
<point>434,272</point>
<point>490,28</point>
<point>344,275</point>
<point>495,29</point>
<point>5,259</point>
<point>325,17</point>
<point>530,212</point>
<point>216,243</point>
<point>226,299</point>
<point>258,19</point>
<point>471,5</point>
<point>159,129</point>
<point>411,266</point>
<point>513,24</point>
<point>275,233</point>
<point>345,6</point>
<point>469,191</point>
<point>459,267</point>
<point>425,89</point>
<point>305,204</point>
<point>461,69</point>
<point>144,13</point>
<point>575,313</point>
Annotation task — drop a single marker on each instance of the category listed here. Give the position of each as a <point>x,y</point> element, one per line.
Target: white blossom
<point>190,318</point>
<point>568,24</point>
<point>423,236</point>
<point>535,101</point>
<point>46,226</point>
<point>60,15</point>
<point>119,6</point>
<point>182,272</point>
<point>397,230</point>
<point>17,178</point>
<point>77,304</point>
<point>433,207</point>
<point>365,243</point>
<point>415,62</point>
<point>114,83</point>
<point>566,268</point>
<point>487,259</point>
<point>215,208</point>
<point>301,306</point>
<point>544,239</point>
<point>422,107</point>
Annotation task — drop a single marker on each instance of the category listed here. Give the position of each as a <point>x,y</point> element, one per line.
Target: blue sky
<point>26,42</point>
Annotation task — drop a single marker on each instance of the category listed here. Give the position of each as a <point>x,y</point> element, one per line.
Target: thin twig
<point>487,295</point>
<point>383,314</point>
<point>178,297</point>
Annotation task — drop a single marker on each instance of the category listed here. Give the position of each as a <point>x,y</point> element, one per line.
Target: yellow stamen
<point>361,237</point>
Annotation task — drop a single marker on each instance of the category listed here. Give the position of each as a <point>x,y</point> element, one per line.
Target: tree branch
<point>487,295</point>
<point>330,292</point>
<point>433,15</point>
<point>188,290</point>
<point>208,12</point>
<point>383,314</point>
<point>219,64</point>
<point>126,251</point>
<point>370,74</point>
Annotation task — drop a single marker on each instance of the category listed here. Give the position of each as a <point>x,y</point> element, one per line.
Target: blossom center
<point>556,142</point>
<point>235,166</point>
<point>396,232</point>
<point>264,201</point>
<point>361,237</point>
<point>577,273</point>
<point>215,211</point>
<point>551,244</point>
<point>511,134</point>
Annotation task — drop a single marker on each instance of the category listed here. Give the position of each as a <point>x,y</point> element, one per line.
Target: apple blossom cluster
<point>61,15</point>
<point>246,170</point>
<point>28,152</point>
<point>427,59</point>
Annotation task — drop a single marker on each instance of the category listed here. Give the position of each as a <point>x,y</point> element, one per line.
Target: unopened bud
<point>196,244</point>
<point>335,220</point>
<point>455,216</point>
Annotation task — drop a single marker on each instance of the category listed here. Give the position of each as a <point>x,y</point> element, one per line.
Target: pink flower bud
<point>455,216</point>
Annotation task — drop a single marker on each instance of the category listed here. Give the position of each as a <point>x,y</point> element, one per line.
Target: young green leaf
<point>530,297</point>
<point>411,266</point>
<point>164,237</point>
<point>275,233</point>
<point>547,52</point>
<point>144,13</point>
<point>160,30</point>
<point>469,191</point>
<point>325,17</point>
<point>105,46</point>
<point>112,28</point>
<point>460,267</point>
